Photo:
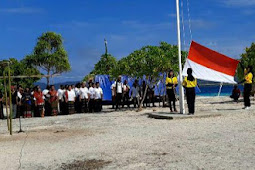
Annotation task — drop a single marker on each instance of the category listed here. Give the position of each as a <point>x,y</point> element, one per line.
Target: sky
<point>226,26</point>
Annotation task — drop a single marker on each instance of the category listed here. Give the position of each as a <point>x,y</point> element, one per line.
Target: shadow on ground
<point>85,165</point>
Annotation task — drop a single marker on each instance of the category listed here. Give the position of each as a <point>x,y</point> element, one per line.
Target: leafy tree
<point>50,55</point>
<point>149,61</point>
<point>247,58</point>
<point>104,66</point>
<point>21,68</point>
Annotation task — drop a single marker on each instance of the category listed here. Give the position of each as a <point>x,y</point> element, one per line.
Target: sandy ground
<point>130,140</point>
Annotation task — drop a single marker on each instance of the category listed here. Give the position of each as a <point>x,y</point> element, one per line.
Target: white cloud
<point>21,10</point>
<point>238,3</point>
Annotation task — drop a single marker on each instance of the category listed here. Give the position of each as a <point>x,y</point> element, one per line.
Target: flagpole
<point>181,91</point>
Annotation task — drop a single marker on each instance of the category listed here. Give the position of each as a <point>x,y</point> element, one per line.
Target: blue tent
<point>105,84</point>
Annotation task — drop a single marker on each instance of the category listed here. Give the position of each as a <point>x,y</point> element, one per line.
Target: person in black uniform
<point>190,83</point>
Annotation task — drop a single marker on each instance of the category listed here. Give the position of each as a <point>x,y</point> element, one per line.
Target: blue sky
<point>223,25</point>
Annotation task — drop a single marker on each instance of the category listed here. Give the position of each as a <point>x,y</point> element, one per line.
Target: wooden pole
<point>6,102</point>
<point>10,96</point>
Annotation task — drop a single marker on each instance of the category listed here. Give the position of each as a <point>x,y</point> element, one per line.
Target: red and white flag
<point>210,65</point>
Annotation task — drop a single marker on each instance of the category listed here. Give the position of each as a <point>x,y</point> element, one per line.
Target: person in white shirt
<point>61,99</point>
<point>126,90</point>
<point>135,93</point>
<point>47,102</point>
<point>118,92</point>
<point>91,97</point>
<point>98,98</point>
<point>113,94</point>
<point>70,99</point>
<point>77,103</point>
<point>84,96</point>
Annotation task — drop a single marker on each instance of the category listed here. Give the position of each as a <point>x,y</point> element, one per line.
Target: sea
<point>210,91</point>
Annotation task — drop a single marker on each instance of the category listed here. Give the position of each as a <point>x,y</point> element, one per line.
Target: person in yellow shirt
<point>190,83</point>
<point>171,83</point>
<point>248,76</point>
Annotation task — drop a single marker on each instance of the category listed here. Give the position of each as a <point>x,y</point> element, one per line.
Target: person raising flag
<point>189,84</point>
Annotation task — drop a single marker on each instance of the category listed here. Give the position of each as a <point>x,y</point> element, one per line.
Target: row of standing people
<point>81,98</point>
<point>123,94</point>
<point>67,99</point>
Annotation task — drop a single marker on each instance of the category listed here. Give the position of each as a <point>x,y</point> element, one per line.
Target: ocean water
<point>214,90</point>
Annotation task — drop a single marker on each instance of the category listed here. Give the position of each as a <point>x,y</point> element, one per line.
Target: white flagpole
<point>181,91</point>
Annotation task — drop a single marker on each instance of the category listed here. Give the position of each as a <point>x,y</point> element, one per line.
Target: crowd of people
<point>68,99</point>
<point>87,97</point>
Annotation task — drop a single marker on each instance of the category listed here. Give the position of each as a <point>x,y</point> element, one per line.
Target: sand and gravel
<point>130,140</point>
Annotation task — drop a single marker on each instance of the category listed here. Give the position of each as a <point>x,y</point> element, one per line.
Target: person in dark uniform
<point>126,90</point>
<point>235,93</point>
<point>190,83</point>
<point>248,77</point>
<point>151,95</point>
<point>171,83</point>
<point>27,103</point>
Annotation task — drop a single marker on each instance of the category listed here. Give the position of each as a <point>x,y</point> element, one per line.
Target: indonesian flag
<point>210,65</point>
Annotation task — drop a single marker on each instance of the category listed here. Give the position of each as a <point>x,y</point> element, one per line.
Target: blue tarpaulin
<point>105,84</point>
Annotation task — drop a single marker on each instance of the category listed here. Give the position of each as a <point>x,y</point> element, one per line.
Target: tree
<point>50,55</point>
<point>247,58</point>
<point>21,68</point>
<point>105,65</point>
<point>155,59</point>
<point>149,61</point>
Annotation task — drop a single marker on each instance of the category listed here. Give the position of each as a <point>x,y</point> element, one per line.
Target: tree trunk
<point>144,95</point>
<point>48,78</point>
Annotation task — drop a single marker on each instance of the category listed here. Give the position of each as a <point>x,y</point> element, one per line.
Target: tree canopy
<point>18,68</point>
<point>50,55</point>
<point>149,61</point>
<point>104,65</point>
<point>247,58</point>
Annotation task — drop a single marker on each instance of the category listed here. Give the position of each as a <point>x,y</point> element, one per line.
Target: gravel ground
<point>130,140</point>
